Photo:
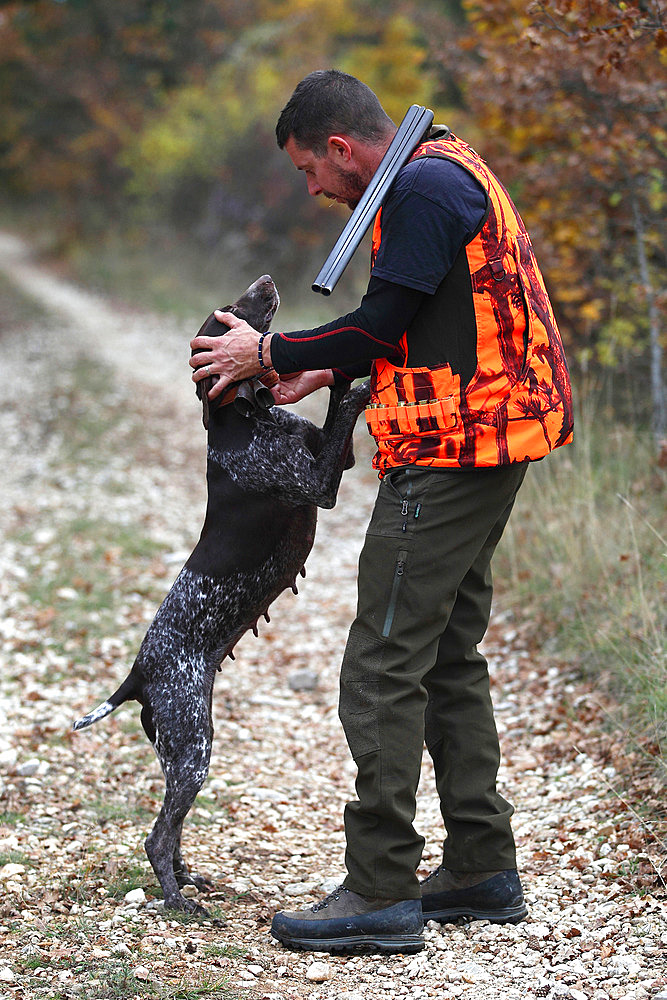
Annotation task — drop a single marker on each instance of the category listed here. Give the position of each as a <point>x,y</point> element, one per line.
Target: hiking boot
<point>496,896</point>
<point>347,922</point>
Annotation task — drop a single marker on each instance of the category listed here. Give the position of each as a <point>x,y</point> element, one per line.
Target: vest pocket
<point>412,419</point>
<point>411,402</point>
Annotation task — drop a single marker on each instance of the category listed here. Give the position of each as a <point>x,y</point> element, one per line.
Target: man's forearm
<point>374,330</point>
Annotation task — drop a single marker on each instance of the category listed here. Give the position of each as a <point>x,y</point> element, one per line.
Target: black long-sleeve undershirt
<point>434,208</point>
<point>351,342</point>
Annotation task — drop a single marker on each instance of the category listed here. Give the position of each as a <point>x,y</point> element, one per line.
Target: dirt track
<point>102,453</point>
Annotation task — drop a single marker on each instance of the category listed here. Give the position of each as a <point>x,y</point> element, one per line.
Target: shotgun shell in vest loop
<point>403,418</point>
<point>378,419</point>
<point>406,418</point>
<point>371,423</point>
<point>443,411</point>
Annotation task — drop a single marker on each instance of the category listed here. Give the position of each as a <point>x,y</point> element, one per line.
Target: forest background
<point>137,150</point>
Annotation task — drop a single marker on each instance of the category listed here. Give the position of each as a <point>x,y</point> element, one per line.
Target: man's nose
<point>313,187</point>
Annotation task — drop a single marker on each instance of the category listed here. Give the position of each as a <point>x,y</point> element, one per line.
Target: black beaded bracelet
<point>259,353</point>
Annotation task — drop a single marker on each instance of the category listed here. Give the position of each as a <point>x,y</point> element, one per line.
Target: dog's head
<point>257,306</point>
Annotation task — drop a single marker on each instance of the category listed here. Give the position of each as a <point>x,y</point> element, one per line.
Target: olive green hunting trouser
<point>412,673</point>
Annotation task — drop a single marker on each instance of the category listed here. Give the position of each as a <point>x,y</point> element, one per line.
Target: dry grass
<point>585,552</point>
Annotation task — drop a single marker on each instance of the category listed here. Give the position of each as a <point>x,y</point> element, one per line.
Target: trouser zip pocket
<point>395,589</point>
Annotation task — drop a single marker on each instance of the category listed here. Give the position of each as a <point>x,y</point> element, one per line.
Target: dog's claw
<point>186,906</point>
<point>202,883</point>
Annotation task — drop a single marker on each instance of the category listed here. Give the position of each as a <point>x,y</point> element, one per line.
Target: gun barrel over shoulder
<point>410,132</point>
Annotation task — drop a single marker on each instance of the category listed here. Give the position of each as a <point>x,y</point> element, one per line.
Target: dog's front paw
<point>358,397</point>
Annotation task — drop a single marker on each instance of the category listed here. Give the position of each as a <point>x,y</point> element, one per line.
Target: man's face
<point>335,175</point>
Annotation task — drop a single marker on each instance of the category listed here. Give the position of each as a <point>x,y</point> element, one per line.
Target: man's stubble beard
<point>352,187</point>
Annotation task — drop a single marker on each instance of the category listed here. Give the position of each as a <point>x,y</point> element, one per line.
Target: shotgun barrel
<point>411,130</point>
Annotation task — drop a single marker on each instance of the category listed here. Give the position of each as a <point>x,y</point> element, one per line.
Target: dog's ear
<point>211,327</point>
<point>251,396</point>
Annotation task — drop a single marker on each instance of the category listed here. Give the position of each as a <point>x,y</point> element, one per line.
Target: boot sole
<point>508,915</point>
<point>407,944</point>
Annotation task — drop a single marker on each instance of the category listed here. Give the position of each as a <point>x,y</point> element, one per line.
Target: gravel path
<point>96,448</point>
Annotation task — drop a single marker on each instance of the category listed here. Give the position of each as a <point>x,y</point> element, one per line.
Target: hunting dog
<point>267,471</point>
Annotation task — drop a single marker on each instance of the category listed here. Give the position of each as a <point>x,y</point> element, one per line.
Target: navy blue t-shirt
<point>434,207</point>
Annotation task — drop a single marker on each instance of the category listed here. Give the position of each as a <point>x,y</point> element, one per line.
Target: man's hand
<point>231,357</point>
<point>292,388</point>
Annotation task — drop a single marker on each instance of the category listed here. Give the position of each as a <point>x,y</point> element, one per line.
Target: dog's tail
<point>126,692</point>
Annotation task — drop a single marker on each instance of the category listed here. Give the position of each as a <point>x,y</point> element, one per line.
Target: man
<point>468,384</point>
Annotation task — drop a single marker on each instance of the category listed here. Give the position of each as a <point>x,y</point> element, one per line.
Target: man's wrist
<point>264,351</point>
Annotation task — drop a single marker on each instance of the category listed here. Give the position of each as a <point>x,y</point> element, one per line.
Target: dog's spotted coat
<point>267,472</point>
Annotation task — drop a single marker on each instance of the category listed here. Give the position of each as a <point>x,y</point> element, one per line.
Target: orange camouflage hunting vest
<point>518,403</point>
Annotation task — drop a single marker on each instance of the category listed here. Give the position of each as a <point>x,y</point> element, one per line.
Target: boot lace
<point>332,897</point>
<point>434,874</point>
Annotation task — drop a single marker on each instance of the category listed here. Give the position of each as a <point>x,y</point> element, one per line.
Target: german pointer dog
<point>267,470</point>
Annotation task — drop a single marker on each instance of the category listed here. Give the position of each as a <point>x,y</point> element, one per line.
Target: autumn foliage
<point>163,114</point>
<point>572,96</point>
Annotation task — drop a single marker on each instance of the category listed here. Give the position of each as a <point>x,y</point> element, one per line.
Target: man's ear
<point>339,148</point>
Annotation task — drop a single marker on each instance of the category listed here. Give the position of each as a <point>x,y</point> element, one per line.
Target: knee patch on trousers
<point>359,704</point>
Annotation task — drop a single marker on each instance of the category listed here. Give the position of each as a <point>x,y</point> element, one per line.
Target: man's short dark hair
<point>330,102</point>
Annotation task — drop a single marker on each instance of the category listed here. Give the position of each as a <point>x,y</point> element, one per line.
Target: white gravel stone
<point>28,768</point>
<point>318,972</point>
<point>303,680</point>
<point>8,758</point>
<point>330,884</point>
<point>299,888</point>
<point>135,896</point>
<point>11,871</point>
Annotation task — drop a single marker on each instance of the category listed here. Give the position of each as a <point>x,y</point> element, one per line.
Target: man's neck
<point>370,157</point>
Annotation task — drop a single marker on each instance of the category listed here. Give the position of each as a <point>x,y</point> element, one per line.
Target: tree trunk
<point>659,403</point>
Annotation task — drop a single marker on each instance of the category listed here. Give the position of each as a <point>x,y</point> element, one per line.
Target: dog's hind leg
<point>183,874</point>
<point>163,842</point>
<point>183,739</point>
